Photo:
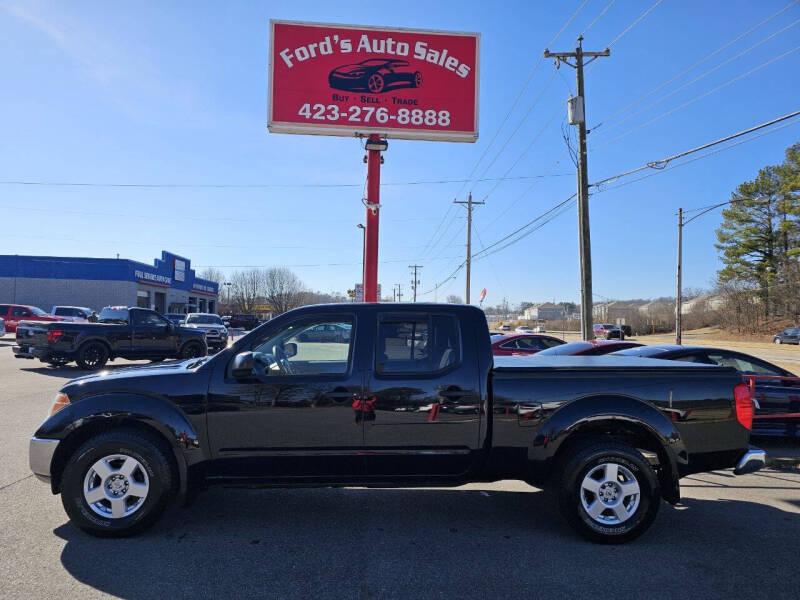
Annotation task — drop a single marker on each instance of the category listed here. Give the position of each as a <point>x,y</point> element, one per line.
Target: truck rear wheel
<point>608,492</point>
<point>92,356</point>
<point>117,484</point>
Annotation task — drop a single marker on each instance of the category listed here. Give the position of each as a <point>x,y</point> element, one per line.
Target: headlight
<point>61,401</point>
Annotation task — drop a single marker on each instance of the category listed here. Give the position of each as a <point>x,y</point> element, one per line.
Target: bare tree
<point>283,290</point>
<point>212,274</point>
<point>246,287</point>
<point>453,299</point>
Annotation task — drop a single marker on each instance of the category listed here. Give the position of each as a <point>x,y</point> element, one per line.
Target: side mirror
<point>242,365</point>
<point>290,349</point>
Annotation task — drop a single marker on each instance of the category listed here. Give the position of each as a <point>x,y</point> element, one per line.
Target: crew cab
<point>413,397</point>
<point>132,333</point>
<point>14,313</point>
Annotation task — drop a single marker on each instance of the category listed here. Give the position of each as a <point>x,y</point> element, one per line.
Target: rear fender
<point>592,415</point>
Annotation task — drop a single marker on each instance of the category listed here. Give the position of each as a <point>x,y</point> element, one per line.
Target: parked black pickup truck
<point>411,398</point>
<point>133,333</point>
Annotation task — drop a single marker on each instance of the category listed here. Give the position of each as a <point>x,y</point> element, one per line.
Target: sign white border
<point>387,132</point>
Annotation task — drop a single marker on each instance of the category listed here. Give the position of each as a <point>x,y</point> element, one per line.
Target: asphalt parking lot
<point>730,536</point>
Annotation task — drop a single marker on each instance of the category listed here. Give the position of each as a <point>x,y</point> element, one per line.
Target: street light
<point>363,249</point>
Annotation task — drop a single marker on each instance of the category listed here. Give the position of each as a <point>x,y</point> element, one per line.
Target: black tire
<point>92,356</point>
<point>417,81</point>
<point>193,350</point>
<point>148,451</point>
<point>573,499</point>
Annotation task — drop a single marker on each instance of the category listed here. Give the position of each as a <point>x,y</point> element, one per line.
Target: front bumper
<point>752,460</point>
<point>40,456</point>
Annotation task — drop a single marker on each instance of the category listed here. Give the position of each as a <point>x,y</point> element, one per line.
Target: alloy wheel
<point>116,486</point>
<point>610,494</point>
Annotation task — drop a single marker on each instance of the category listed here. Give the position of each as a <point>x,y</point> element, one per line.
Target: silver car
<point>212,326</point>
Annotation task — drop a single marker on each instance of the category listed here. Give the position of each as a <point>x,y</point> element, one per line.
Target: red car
<point>14,313</point>
<point>516,344</point>
<point>590,348</point>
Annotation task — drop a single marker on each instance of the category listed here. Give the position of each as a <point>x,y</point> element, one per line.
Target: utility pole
<point>577,110</point>
<point>399,292</point>
<point>415,281</point>
<point>470,203</point>
<point>678,294</point>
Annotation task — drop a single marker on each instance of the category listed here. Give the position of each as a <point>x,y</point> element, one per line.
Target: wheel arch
<point>152,416</point>
<point>615,417</point>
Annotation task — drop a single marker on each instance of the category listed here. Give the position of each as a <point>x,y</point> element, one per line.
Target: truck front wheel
<point>117,483</point>
<point>608,492</point>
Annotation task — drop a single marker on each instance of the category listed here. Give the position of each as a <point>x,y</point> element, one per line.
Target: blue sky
<point>167,93</point>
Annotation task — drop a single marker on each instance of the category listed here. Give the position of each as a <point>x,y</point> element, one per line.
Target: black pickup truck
<point>132,333</point>
<point>412,397</point>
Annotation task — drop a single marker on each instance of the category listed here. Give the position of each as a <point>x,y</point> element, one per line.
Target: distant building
<point>167,285</point>
<point>708,302</point>
<point>546,311</point>
<point>616,310</point>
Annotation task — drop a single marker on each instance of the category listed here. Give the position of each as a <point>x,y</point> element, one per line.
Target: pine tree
<point>758,238</point>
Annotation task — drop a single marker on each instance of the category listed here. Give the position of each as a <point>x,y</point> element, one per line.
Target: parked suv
<point>606,331</point>
<point>76,314</point>
<point>212,326</point>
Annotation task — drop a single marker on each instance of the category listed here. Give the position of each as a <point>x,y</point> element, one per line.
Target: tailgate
<point>32,334</point>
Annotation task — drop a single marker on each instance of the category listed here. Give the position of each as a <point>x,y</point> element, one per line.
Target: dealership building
<point>167,285</point>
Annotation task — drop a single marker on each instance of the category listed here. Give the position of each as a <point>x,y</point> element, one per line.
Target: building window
<point>143,299</point>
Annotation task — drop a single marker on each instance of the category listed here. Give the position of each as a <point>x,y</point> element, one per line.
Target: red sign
<point>348,80</point>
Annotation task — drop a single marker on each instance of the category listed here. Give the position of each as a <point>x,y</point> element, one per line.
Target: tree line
<point>250,290</point>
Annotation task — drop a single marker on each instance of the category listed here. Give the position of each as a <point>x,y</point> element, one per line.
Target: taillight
<point>54,334</point>
<point>743,399</point>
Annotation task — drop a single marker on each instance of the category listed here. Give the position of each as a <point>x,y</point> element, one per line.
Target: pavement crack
<point>8,485</point>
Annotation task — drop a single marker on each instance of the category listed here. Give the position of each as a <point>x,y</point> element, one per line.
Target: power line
<point>634,24</point>
<point>341,264</point>
<point>555,211</point>
<point>505,119</point>
<point>704,95</point>
<point>597,18</point>
<point>262,185</point>
<point>519,94</point>
<point>702,156</point>
<point>660,164</point>
<point>630,115</point>
<point>693,65</point>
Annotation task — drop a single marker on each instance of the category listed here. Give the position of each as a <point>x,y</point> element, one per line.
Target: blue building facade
<point>167,285</point>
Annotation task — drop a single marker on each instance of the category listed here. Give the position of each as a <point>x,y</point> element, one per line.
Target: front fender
<point>620,412</point>
<point>106,410</point>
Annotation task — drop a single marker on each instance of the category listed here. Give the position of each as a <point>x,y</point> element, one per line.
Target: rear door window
<point>419,344</point>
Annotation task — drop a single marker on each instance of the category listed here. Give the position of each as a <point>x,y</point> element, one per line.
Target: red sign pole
<point>373,218</point>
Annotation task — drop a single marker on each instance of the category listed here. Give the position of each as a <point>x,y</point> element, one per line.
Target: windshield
<point>204,319</point>
<point>37,311</point>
